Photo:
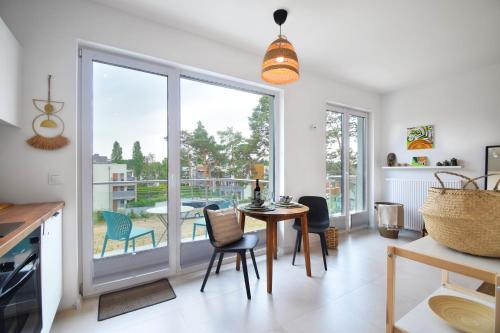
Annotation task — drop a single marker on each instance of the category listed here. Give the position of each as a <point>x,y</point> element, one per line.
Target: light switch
<point>55,179</point>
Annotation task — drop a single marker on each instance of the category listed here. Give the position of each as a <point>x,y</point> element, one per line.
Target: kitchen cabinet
<point>51,266</point>
<point>10,78</point>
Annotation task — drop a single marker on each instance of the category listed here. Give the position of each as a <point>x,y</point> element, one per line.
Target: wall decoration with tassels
<point>48,126</point>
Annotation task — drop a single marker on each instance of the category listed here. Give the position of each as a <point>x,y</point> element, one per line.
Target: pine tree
<point>137,159</point>
<point>116,154</point>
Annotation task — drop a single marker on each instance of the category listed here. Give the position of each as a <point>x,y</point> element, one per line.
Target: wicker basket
<point>388,233</point>
<point>332,239</point>
<point>467,220</point>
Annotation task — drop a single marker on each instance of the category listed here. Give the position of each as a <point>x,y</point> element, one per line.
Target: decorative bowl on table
<point>463,314</point>
<point>285,199</point>
<point>257,203</point>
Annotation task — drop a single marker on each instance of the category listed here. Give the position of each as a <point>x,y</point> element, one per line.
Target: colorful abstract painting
<point>421,137</point>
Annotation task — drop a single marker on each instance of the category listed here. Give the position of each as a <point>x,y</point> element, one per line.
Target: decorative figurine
<point>446,163</point>
<point>454,161</point>
<point>439,164</point>
<point>391,159</point>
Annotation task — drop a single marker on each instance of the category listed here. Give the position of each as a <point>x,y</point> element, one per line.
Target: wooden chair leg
<point>297,246</point>
<point>245,273</point>
<point>221,256</point>
<point>208,270</point>
<point>323,248</point>
<point>254,264</point>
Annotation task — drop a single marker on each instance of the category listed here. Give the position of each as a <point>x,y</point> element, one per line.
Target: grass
<point>158,227</point>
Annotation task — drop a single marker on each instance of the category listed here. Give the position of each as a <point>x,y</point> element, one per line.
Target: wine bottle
<point>256,191</point>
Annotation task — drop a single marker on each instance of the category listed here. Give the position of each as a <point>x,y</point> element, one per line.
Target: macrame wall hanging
<point>48,126</point>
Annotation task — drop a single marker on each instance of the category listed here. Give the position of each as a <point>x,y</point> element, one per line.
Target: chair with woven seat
<point>120,228</point>
<point>318,221</point>
<point>246,243</point>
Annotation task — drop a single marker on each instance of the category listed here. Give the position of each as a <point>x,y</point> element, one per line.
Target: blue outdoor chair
<point>120,228</point>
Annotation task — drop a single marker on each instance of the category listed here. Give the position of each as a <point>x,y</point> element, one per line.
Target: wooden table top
<point>280,212</point>
<point>32,216</point>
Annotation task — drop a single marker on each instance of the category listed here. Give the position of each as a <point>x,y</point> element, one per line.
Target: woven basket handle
<point>485,176</point>
<point>443,189</point>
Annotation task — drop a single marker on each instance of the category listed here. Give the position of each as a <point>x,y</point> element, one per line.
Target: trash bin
<point>389,223</point>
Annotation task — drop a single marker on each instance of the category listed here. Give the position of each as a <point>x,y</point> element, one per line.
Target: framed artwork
<point>419,161</point>
<point>421,137</point>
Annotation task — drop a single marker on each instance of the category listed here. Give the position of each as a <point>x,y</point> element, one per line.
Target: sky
<point>131,106</point>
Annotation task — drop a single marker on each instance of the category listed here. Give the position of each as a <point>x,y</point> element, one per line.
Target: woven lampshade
<point>280,65</point>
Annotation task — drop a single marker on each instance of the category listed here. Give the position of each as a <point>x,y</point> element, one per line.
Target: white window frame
<point>346,217</point>
<point>174,72</point>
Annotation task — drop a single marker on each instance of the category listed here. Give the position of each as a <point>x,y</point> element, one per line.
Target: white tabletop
<point>430,247</point>
<point>163,210</point>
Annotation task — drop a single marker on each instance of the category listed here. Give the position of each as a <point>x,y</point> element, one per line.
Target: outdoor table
<point>162,212</point>
<point>272,218</point>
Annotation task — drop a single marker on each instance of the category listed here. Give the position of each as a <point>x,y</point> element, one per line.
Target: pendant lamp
<point>280,65</point>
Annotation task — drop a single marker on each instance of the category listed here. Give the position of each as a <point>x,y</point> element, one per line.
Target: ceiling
<point>384,45</point>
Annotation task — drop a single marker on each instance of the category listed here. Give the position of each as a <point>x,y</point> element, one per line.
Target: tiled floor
<point>349,297</point>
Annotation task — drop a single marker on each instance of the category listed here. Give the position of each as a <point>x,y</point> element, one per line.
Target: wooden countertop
<point>32,216</point>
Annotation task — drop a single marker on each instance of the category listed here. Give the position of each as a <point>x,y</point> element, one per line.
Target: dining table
<point>162,213</point>
<point>272,217</point>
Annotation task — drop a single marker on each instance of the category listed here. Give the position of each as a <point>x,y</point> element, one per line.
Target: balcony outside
<point>195,195</point>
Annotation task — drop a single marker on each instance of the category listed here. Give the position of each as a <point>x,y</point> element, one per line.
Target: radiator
<point>412,193</point>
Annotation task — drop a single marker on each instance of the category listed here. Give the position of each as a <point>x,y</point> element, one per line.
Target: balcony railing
<point>127,195</point>
<point>144,207</point>
<point>334,194</point>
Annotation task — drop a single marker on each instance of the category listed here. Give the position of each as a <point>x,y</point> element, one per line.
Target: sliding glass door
<point>346,168</point>
<point>158,145</point>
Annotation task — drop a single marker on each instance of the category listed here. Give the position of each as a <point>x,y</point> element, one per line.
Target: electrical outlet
<point>55,179</point>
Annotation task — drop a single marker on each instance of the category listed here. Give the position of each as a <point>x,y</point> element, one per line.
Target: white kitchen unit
<point>51,265</point>
<point>10,78</point>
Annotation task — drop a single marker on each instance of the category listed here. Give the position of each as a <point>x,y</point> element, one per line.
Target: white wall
<point>50,30</point>
<point>10,77</point>
<point>465,112</point>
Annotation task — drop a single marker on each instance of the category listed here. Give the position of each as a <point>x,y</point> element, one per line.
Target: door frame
<point>87,51</point>
<point>347,111</point>
<point>91,285</point>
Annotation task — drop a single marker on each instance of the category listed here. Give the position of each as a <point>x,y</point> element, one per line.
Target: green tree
<point>333,143</point>
<point>137,159</point>
<point>260,129</point>
<point>206,151</point>
<point>235,154</point>
<point>187,157</point>
<point>116,153</point>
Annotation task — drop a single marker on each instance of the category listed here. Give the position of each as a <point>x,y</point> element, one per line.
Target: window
<point>144,124</point>
<point>129,131</point>
<point>346,175</point>
<point>225,145</point>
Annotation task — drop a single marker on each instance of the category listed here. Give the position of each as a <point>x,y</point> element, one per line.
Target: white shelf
<point>427,167</point>
<point>422,318</point>
<point>428,246</point>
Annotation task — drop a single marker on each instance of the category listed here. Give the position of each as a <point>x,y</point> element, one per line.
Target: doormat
<point>135,298</point>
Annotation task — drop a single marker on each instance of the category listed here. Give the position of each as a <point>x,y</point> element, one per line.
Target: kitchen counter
<point>31,215</point>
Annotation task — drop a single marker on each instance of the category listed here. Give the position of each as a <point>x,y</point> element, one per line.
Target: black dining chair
<point>247,243</point>
<point>318,221</point>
